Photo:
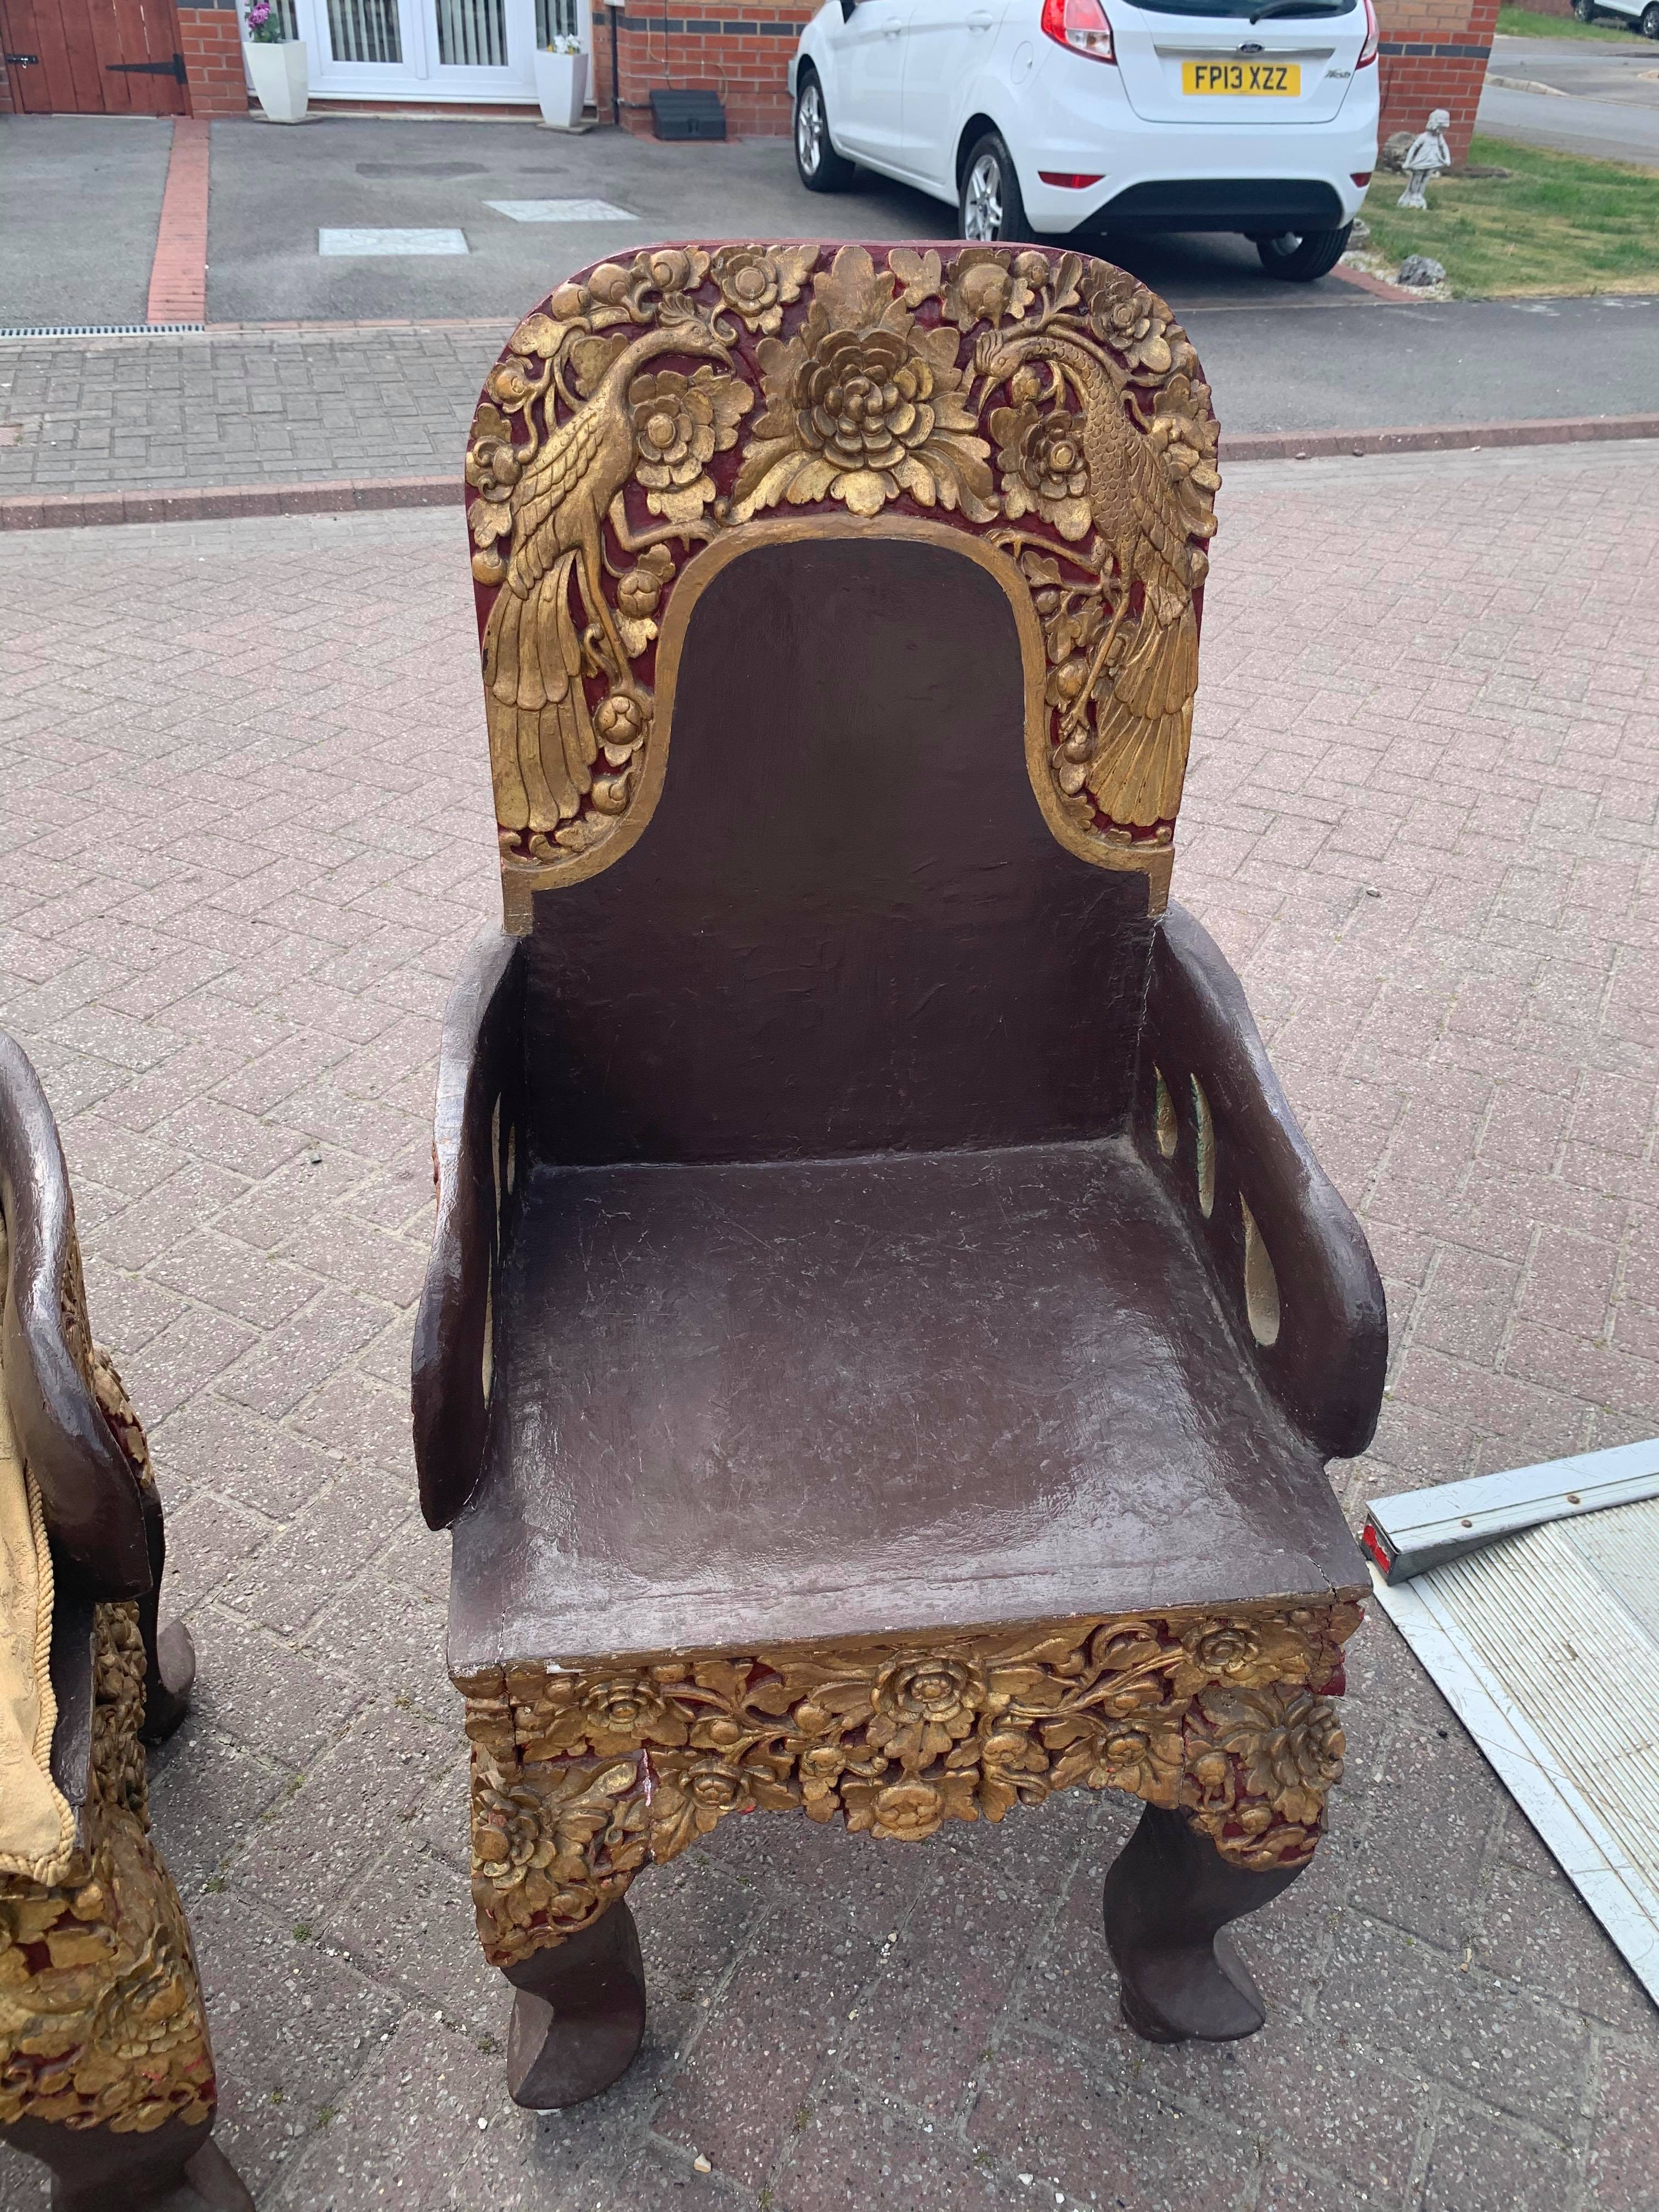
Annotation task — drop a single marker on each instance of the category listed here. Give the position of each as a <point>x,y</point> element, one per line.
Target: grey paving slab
<point>82,196</point>
<point>1422,819</point>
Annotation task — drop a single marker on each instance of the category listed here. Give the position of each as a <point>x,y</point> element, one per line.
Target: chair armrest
<point>476,1151</point>
<point>89,1493</point>
<point>1289,1263</point>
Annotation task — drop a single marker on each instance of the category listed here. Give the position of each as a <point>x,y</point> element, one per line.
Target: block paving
<point>241,404</point>
<point>248,831</point>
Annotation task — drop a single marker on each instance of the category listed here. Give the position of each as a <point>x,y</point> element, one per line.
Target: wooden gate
<point>93,57</point>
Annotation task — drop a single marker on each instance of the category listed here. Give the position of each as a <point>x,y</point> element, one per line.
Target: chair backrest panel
<point>846,927</point>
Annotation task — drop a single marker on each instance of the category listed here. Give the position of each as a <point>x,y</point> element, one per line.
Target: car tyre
<point>1299,256</point>
<point>1585,10</point>
<point>820,168</point>
<point>1649,23</point>
<point>988,204</point>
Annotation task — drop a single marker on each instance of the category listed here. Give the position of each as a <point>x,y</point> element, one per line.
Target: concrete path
<point>248,838</point>
<point>1605,103</point>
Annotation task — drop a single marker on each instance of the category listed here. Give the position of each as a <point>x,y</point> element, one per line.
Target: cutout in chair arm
<point>477,1145</point>
<point>89,1491</point>
<point>1290,1262</point>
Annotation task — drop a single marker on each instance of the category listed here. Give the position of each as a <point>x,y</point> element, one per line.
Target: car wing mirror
<point>847,7</point>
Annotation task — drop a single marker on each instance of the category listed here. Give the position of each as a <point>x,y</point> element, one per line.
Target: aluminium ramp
<point>1544,1642</point>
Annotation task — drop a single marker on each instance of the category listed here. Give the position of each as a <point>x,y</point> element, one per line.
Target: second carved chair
<point>105,2072</point>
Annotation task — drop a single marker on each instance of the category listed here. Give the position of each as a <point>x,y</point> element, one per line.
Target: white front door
<point>441,51</point>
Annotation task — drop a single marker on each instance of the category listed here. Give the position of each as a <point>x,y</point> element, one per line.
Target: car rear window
<point>1253,11</point>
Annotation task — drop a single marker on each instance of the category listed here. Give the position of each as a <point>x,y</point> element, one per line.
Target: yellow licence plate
<point>1240,80</point>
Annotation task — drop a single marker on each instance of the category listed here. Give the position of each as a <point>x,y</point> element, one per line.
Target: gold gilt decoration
<point>100,2013</point>
<point>1045,404</point>
<point>579,1775</point>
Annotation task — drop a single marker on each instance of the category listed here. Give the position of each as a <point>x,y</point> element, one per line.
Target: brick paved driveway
<point>248,836</point>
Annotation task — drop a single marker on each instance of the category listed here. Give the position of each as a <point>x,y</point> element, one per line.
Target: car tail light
<point>1070,180</point>
<point>1081,26</point>
<point>1360,176</point>
<point>1368,52</point>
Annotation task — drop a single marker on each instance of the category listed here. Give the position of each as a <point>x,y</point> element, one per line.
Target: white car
<point>1642,14</point>
<point>1084,117</point>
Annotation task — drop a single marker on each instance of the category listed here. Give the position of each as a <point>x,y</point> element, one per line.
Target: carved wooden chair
<point>106,2073</point>
<point>884,1329</point>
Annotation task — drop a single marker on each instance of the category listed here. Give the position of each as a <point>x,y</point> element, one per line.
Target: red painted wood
<point>77,41</point>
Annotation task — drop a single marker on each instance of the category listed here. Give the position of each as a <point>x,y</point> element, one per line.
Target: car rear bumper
<point>1246,203</point>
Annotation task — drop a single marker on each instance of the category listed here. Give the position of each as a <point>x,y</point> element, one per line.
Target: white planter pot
<point>560,87</point>
<point>280,78</point>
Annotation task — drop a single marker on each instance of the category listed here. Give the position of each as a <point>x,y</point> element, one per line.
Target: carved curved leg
<point>1168,1896</point>
<point>578,2015</point>
<point>174,2169</point>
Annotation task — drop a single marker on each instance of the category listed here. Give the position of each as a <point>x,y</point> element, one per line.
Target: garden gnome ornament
<point>1427,156</point>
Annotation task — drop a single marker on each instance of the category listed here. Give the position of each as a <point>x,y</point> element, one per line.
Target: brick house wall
<point>742,51</point>
<point>210,41</point>
<point>1434,54</point>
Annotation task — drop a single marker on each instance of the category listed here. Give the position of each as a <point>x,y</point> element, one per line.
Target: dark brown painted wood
<point>1327,1366</point>
<point>1168,1897</point>
<point>848,927</point>
<point>174,2169</point>
<point>91,1497</point>
<point>578,2015</point>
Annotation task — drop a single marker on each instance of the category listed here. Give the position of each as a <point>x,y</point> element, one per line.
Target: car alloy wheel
<point>1650,21</point>
<point>981,218</point>
<point>808,127</point>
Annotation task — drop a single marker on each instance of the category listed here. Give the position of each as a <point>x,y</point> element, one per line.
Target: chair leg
<point>1168,1896</point>
<point>171,2168</point>
<point>169,1652</point>
<point>579,2013</point>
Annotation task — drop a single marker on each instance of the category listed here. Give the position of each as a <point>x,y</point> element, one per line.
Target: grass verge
<point>1527,24</point>
<point>1556,224</point>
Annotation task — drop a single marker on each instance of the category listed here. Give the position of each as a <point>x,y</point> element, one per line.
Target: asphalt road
<point>81,196</point>
<point>1281,357</point>
<point>1605,102</point>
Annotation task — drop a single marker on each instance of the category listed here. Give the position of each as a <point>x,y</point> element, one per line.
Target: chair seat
<point>742,1405</point>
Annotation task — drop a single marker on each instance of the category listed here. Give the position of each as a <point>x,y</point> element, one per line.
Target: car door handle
<point>891,30</point>
<point>979,22</point>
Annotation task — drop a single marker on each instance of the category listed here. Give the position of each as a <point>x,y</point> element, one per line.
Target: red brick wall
<point>211,39</point>
<point>1434,54</point>
<point>741,51</point>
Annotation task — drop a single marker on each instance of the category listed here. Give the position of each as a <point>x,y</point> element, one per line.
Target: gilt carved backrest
<point>839,610</point>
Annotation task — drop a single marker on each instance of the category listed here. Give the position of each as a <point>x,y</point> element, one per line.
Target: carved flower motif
<point>620,723</point>
<point>628,1710</point>
<point>508,1839</point>
<point>639,592</point>
<point>1013,1768</point>
<point>1286,1740</point>
<point>492,466</point>
<point>1043,467</point>
<point>1184,436</point>
<point>757,283</point>
<point>1222,1648</point>
<point>510,384</point>
<point>1131,1642</point>
<point>1130,319</point>
<point>907,1810</point>
<point>988,285</point>
<point>862,405</point>
<point>923,1707</point>
<point>679,423</point>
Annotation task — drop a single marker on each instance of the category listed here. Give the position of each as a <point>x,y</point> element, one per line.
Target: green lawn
<point>1527,24</point>
<point>1555,224</point>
